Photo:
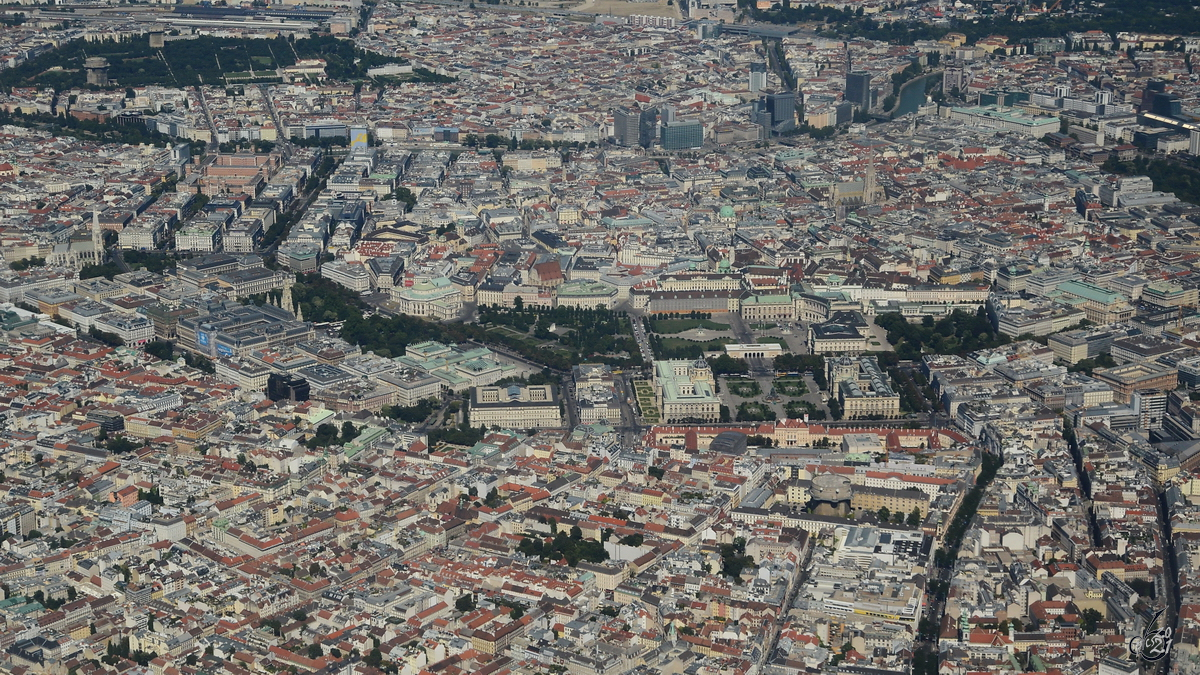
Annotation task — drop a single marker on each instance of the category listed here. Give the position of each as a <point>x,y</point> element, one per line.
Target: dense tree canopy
<point>959,333</point>
<point>1176,17</point>
<point>562,546</point>
<point>202,61</point>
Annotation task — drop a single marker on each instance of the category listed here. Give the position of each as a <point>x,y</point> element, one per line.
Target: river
<point>912,95</point>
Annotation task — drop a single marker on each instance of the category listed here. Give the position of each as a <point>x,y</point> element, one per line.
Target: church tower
<point>870,189</point>
<point>97,238</point>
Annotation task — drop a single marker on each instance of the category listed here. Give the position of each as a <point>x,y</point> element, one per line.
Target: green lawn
<point>790,387</point>
<point>508,331</point>
<point>643,392</point>
<point>709,346</point>
<point>743,388</point>
<point>773,341</point>
<point>755,412</point>
<point>528,340</point>
<point>671,326</point>
<point>797,410</point>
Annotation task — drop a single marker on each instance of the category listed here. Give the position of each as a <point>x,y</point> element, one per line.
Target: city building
<point>681,135</point>
<point>352,275</point>
<point>1074,346</point>
<point>132,329</point>
<point>1101,306</point>
<point>862,388</point>
<point>836,338</point>
<point>1006,119</point>
<point>458,367</point>
<point>596,394</point>
<point>858,90</point>
<point>282,387</point>
<point>781,107</point>
<point>686,391</point>
<point>246,374</point>
<point>238,330</point>
<point>535,406</point>
<point>758,76</point>
<point>901,502</point>
<point>627,125</point>
<point>1134,377</point>
<point>436,298</point>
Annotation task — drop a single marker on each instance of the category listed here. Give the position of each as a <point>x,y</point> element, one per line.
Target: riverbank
<point>911,96</point>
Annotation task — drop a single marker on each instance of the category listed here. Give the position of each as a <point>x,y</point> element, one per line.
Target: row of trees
<point>727,365</point>
<point>948,553</point>
<point>107,270</point>
<point>25,263</point>
<point>388,336</point>
<point>201,363</point>
<point>412,414</point>
<point>1086,366</point>
<point>152,261</point>
<point>913,519</point>
<point>161,349</point>
<point>799,363</point>
<point>343,59</point>
<point>110,339</point>
<point>463,434</point>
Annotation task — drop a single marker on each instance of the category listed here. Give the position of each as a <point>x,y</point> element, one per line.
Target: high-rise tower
<point>858,90</point>
<point>627,126</point>
<point>758,77</point>
<point>782,107</point>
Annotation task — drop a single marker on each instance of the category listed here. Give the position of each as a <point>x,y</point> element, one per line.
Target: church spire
<point>97,237</point>
<point>870,195</point>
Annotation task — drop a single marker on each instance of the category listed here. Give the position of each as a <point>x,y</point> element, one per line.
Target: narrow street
<point>629,427</point>
<point>566,387</point>
<point>798,582</point>
<point>118,256</point>
<point>434,419</point>
<point>643,340</point>
<point>212,127</point>
<point>1171,582</point>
